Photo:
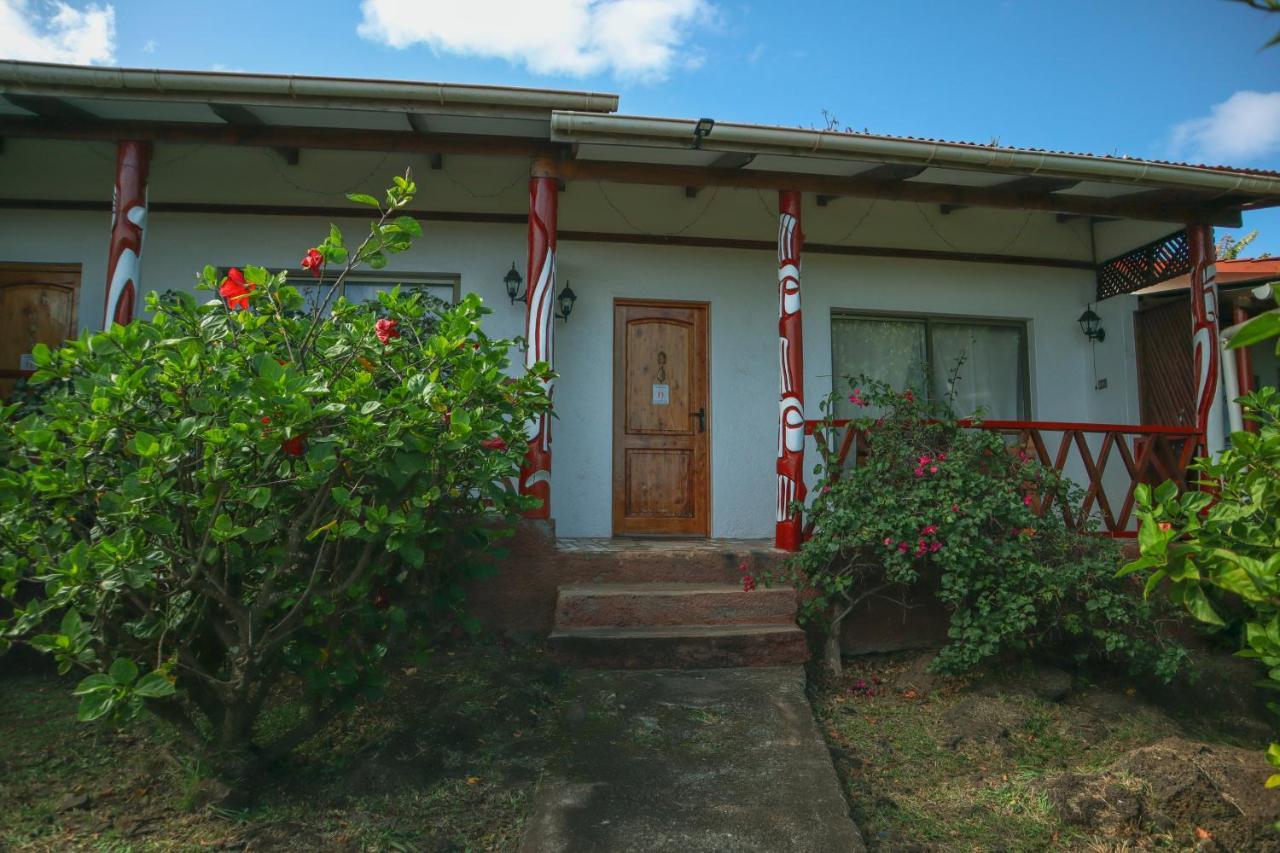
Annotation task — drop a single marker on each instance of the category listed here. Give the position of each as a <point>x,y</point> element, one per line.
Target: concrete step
<point>638,605</point>
<point>673,562</point>
<point>679,646</point>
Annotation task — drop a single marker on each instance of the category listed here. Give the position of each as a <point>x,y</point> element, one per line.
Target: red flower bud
<point>313,261</point>
<point>494,443</point>
<point>236,290</point>
<point>295,446</point>
<point>386,330</point>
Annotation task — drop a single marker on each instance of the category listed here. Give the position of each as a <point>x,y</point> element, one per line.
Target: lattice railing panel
<point>1157,261</point>
<point>1108,461</point>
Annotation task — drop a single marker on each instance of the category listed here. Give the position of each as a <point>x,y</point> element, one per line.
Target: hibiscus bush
<point>239,491</point>
<point>1217,553</point>
<point>932,507</point>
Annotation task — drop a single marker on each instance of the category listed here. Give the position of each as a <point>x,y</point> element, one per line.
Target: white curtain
<point>979,368</point>
<point>892,351</point>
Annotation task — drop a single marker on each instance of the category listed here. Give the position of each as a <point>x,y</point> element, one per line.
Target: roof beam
<point>271,136</point>
<point>236,115</point>
<point>1182,211</point>
<point>49,107</point>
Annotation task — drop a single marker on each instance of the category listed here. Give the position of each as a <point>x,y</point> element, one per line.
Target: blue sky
<point>1180,79</point>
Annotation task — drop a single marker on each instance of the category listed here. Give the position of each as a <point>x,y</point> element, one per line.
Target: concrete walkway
<point>692,761</point>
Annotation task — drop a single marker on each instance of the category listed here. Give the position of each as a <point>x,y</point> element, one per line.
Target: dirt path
<point>705,760</point>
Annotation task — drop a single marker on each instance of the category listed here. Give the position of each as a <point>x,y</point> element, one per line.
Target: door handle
<point>701,415</point>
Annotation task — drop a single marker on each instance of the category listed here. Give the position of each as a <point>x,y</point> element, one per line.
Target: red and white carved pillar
<point>788,533</point>
<point>128,222</point>
<point>1244,363</point>
<point>535,474</point>
<point>1206,351</point>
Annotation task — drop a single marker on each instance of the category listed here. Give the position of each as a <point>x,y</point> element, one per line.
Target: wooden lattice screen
<point>1157,261</point>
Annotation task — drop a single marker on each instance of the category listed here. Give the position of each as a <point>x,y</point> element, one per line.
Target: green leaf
<point>1258,329</point>
<point>145,444</point>
<point>154,685</point>
<point>95,705</point>
<point>123,671</point>
<point>94,683</point>
<point>362,198</point>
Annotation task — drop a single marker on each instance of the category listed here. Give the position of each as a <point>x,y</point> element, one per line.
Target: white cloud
<point>1241,129</point>
<point>44,31</point>
<point>633,39</point>
<point>150,46</point>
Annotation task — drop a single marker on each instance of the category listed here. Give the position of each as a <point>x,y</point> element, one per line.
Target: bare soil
<point>1034,758</point>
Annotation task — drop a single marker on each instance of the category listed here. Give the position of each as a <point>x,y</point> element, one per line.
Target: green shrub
<point>931,503</point>
<point>1221,548</point>
<point>236,490</point>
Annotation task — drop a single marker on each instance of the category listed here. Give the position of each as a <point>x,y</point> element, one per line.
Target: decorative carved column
<point>535,474</point>
<point>788,532</point>
<point>128,222</point>
<point>1206,351</point>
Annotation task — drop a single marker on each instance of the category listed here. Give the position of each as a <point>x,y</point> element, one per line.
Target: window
<point>364,286</point>
<point>923,353</point>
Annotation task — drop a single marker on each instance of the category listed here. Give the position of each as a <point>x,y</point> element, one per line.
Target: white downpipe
<point>1231,385</point>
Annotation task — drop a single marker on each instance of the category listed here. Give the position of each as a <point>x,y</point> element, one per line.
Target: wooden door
<point>1166,374</point>
<point>37,305</point>
<point>661,422</point>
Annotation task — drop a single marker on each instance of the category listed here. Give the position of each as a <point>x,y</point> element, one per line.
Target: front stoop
<point>675,626</point>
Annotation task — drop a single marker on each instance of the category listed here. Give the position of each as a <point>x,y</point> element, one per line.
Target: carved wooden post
<point>788,533</point>
<point>1204,337</point>
<point>128,222</point>
<point>535,474</point>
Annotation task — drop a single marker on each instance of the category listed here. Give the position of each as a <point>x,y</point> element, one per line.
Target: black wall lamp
<point>1091,325</point>
<point>516,292</point>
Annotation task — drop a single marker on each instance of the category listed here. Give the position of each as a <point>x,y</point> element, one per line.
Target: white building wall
<point>739,284</point>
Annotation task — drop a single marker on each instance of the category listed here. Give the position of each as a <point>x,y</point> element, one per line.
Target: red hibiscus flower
<point>313,261</point>
<point>386,330</point>
<point>494,443</point>
<point>295,446</point>
<point>236,290</point>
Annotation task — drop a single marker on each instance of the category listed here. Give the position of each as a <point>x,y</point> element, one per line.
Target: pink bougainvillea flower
<point>494,443</point>
<point>1028,500</point>
<point>856,397</point>
<point>942,457</point>
<point>955,507</point>
<point>236,290</point>
<point>888,541</point>
<point>909,396</point>
<point>313,261</point>
<point>935,547</point>
<point>903,547</point>
<point>925,460</point>
<point>930,529</point>
<point>748,583</point>
<point>295,446</point>
<point>919,472</point>
<point>933,469</point>
<point>386,330</point>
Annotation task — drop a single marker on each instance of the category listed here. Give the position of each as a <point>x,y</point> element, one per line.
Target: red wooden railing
<point>1086,453</point>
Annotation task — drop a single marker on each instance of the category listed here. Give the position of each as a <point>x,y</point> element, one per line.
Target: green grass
<point>918,774</point>
<point>447,761</point>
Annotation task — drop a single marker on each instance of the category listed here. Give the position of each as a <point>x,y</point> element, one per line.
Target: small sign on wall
<point>661,394</point>
<point>26,361</point>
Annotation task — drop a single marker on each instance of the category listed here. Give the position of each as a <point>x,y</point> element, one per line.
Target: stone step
<point>679,646</point>
<point>638,605</point>
<point>672,563</point>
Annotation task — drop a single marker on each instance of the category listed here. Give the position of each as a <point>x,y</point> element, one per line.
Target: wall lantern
<point>565,301</point>
<point>700,131</point>
<point>1091,325</point>
<point>514,283</point>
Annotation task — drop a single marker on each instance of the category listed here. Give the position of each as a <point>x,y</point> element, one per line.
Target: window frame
<point>391,279</point>
<point>928,319</point>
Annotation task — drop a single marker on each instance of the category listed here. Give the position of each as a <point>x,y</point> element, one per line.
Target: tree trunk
<point>831,662</point>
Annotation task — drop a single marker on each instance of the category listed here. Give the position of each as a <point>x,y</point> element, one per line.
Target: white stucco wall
<point>739,284</point>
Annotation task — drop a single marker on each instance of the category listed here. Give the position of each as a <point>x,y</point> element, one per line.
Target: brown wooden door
<point>1166,375</point>
<point>661,422</point>
<point>37,305</point>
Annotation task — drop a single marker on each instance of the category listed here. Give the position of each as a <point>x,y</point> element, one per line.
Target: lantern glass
<point>1091,325</point>
<point>566,299</point>
<point>513,282</point>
